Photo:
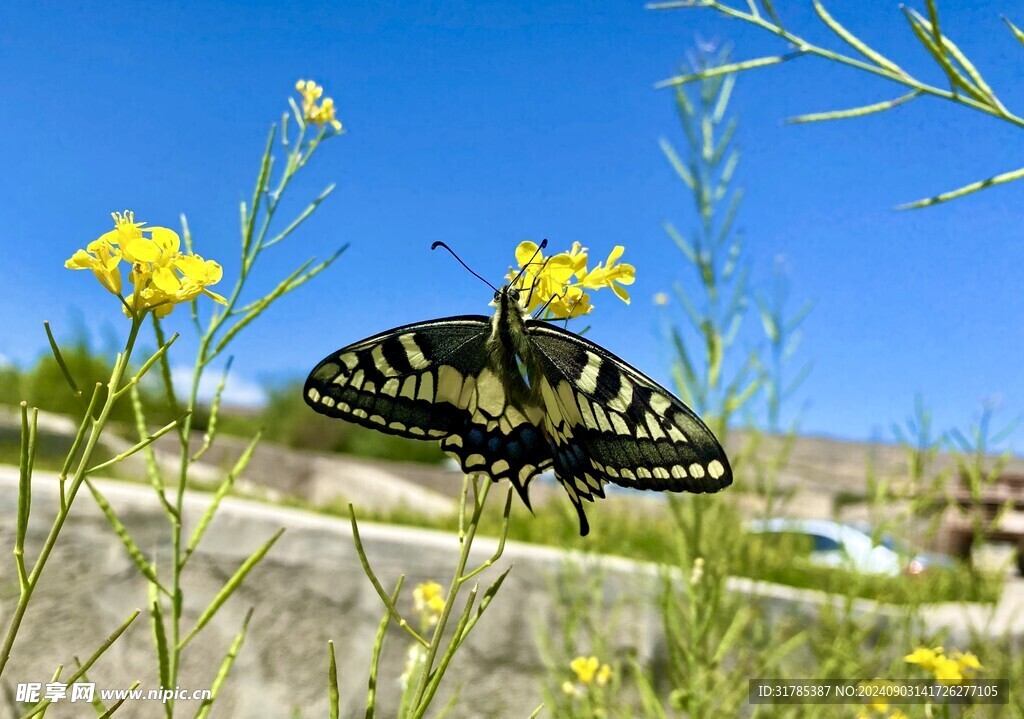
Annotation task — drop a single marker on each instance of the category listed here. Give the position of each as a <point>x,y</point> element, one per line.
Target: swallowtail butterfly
<point>510,397</point>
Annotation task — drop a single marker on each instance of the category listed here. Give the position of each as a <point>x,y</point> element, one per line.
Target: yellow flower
<point>558,283</point>
<point>924,657</point>
<point>156,262</point>
<point>604,675</point>
<point>428,601</point>
<point>897,714</point>
<point>585,668</point>
<point>967,662</point>
<point>947,670</point>
<point>953,668</point>
<point>102,258</point>
<point>322,114</point>
<point>612,275</point>
<point>568,688</point>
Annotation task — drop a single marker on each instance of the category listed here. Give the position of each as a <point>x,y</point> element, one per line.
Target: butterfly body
<point>510,397</point>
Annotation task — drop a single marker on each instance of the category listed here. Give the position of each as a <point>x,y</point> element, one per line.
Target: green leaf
<point>853,41</point>
<point>230,586</point>
<point>965,190</point>
<point>1014,29</point>
<point>860,111</point>
<point>225,666</point>
<point>222,489</point>
<point>728,68</point>
<point>143,564</point>
<point>333,693</point>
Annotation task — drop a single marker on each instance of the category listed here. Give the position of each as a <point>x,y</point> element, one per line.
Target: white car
<point>846,546</point>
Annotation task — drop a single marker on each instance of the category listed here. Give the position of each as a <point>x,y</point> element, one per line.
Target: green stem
<point>453,590</point>
<point>95,430</point>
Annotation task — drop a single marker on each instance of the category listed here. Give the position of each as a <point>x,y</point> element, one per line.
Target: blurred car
<point>849,546</point>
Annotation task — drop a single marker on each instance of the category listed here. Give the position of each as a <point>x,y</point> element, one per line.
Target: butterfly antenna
<point>541,246</point>
<point>536,281</point>
<point>441,244</point>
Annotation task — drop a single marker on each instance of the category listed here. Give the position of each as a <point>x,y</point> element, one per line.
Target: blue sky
<point>487,123</point>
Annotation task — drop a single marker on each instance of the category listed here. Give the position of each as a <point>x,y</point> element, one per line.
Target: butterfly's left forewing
<point>432,380</point>
<point>611,423</point>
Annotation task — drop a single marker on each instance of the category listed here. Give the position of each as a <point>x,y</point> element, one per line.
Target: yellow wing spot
<point>534,414</point>
<point>660,403</point>
<point>328,401</point>
<point>344,407</point>
<point>660,473</point>
<point>468,396</point>
<point>357,380</point>
<point>715,469</point>
<point>696,471</point>
<point>397,425</point>
<point>623,399</point>
<point>475,460</point>
<point>453,440</point>
<point>313,394</point>
<point>369,387</point>
<point>611,471</point>
<point>675,434</point>
<point>377,419</point>
<point>588,376</point>
<point>436,432</point>
<point>627,474</point>
<point>602,418</point>
<point>526,472</point>
<point>417,431</point>
<point>409,388</point>
<point>679,471</point>
<point>619,423</point>
<point>359,412</point>
<point>390,388</point>
<point>585,413</point>
<point>499,467</point>
<point>377,354</point>
<point>349,359</point>
<point>641,431</point>
<point>643,473</point>
<point>571,490</point>
<point>449,385</point>
<point>426,388</point>
<point>568,404</point>
<point>490,393</point>
<point>413,353</point>
<point>654,426</point>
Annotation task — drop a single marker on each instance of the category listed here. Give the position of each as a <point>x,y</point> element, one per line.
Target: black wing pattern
<point>608,422</point>
<point>433,380</point>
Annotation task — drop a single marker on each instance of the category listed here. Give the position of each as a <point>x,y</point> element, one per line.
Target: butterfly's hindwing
<point>432,380</point>
<point>612,423</point>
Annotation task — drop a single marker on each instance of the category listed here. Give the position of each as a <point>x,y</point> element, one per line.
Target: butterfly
<point>511,396</point>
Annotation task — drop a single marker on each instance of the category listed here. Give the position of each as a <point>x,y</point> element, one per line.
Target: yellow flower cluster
<point>953,668</point>
<point>588,670</point>
<point>428,602</point>
<point>316,111</point>
<point>161,275</point>
<point>560,282</point>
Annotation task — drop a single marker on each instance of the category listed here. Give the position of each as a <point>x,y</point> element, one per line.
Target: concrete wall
<point>309,589</point>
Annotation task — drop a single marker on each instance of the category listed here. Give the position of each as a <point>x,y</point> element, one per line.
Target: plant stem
<point>480,496</point>
<point>95,429</point>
